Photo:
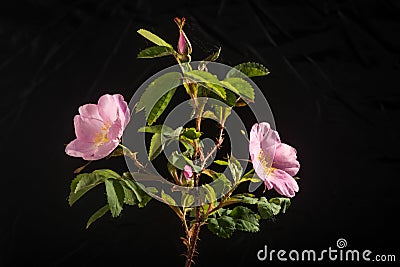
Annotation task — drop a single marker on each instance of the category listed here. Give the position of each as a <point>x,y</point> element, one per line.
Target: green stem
<point>222,202</point>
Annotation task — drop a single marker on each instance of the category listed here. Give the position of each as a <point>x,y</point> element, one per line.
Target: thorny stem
<point>199,116</point>
<point>192,235</point>
<point>185,223</point>
<point>200,110</point>
<point>216,147</point>
<point>132,155</point>
<point>192,244</point>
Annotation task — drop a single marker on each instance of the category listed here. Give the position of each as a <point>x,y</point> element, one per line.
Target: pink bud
<point>188,172</point>
<point>184,46</point>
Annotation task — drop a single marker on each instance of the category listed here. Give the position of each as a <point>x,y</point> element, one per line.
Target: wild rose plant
<point>197,190</point>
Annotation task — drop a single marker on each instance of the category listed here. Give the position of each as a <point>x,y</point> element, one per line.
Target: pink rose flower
<point>98,128</point>
<point>274,162</point>
<point>188,172</point>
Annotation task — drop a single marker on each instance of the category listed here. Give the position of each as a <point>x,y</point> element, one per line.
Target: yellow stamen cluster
<point>101,137</point>
<point>265,162</point>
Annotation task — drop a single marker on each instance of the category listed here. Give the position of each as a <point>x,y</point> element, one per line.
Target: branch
<point>132,155</point>
<point>192,244</point>
<point>220,140</point>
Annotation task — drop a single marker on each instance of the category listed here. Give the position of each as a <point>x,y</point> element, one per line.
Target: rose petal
<point>115,131</point>
<point>123,110</point>
<point>265,137</point>
<point>268,184</point>
<point>254,148</point>
<point>90,111</point>
<point>105,149</point>
<point>262,131</point>
<point>183,47</point>
<point>283,183</point>
<point>108,108</point>
<point>286,159</point>
<point>268,137</point>
<point>86,129</point>
<point>254,152</point>
<point>263,141</point>
<point>79,148</point>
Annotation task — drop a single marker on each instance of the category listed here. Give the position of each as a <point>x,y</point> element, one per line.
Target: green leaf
<point>231,97</point>
<point>166,130</point>
<point>156,51</point>
<point>142,197</point>
<point>222,184</point>
<point>221,162</point>
<point>208,114</point>
<point>88,181</point>
<point>153,38</point>
<point>160,106</point>
<point>243,198</point>
<point>282,201</point>
<point>249,176</point>
<point>208,193</point>
<point>84,182</point>
<point>156,90</point>
<point>117,152</point>
<point>191,133</point>
<point>223,226</point>
<point>161,133</point>
<point>73,197</point>
<point>150,129</point>
<point>210,173</point>
<point>267,209</point>
<point>213,57</point>
<point>235,168</point>
<point>195,168</point>
<point>97,215</point>
<point>172,171</point>
<point>241,87</point>
<point>156,146</point>
<point>222,112</point>
<point>189,145</point>
<point>115,196</point>
<point>177,160</point>
<point>170,201</point>
<point>230,100</point>
<point>107,173</point>
<point>129,195</point>
<point>250,69</point>
<point>245,219</point>
<point>222,212</point>
<point>187,199</point>
<point>75,182</point>
<point>174,134</point>
<point>208,80</point>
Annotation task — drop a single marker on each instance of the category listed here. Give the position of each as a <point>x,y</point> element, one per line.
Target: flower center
<point>101,137</point>
<point>266,162</point>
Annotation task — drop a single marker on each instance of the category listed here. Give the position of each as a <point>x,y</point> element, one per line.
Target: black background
<point>333,89</point>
